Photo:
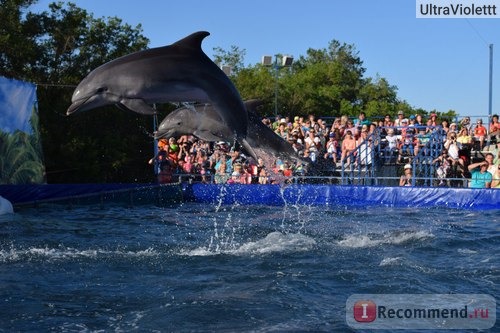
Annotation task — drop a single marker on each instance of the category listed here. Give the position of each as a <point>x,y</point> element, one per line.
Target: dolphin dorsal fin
<point>192,41</point>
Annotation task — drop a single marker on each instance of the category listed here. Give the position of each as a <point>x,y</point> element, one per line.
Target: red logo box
<point>365,311</point>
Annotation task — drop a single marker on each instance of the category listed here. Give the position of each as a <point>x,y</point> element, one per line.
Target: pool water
<point>193,267</point>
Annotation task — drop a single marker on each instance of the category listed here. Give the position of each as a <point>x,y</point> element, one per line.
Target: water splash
<point>364,241</point>
<point>274,242</point>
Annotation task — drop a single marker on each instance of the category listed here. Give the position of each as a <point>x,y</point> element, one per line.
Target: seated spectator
<point>465,123</point>
<point>489,157</point>
<point>348,146</point>
<point>387,121</point>
<point>480,133</point>
<point>419,122</point>
<point>494,129</point>
<point>406,178</point>
<point>495,182</point>
<point>282,129</point>
<point>453,128</point>
<point>221,176</point>
<point>350,126</point>
<point>413,121</point>
<point>331,148</point>
<point>399,120</point>
<point>422,141</point>
<point>239,175</point>
<point>464,139</point>
<point>445,128</point>
<point>407,146</point>
<point>361,121</point>
<point>392,140</point>
<point>480,177</point>
<point>432,123</point>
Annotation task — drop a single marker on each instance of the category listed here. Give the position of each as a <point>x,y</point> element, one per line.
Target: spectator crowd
<point>466,150</point>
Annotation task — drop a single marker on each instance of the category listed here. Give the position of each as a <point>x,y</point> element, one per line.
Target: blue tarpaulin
<point>275,195</point>
<point>17,100</point>
<point>351,196</point>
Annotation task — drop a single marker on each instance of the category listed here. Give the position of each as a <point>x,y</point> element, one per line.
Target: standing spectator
<point>444,163</point>
<point>481,178</point>
<point>432,122</point>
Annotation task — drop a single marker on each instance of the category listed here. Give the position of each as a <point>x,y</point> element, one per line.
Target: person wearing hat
<point>432,122</point>
<point>398,121</point>
<point>406,177</point>
<point>453,128</point>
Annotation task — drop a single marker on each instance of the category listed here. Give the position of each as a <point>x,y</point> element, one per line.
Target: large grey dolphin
<point>179,72</point>
<point>204,122</point>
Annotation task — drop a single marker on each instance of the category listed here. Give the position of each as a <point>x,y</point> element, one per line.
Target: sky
<point>438,63</point>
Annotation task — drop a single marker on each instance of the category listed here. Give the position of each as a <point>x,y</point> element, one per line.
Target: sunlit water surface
<point>193,267</point>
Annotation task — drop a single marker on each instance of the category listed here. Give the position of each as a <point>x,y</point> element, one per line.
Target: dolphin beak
<point>87,103</point>
<point>159,134</point>
<point>75,106</point>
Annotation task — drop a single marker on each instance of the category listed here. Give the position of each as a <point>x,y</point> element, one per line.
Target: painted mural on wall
<point>21,158</point>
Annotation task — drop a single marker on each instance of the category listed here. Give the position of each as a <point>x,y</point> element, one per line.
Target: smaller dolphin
<point>204,122</point>
<point>179,72</point>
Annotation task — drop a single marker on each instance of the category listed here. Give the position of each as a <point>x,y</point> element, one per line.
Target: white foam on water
<point>466,251</point>
<point>391,261</point>
<point>14,254</point>
<point>364,241</point>
<point>278,242</point>
<point>275,242</point>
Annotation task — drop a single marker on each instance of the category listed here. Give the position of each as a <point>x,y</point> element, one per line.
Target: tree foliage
<point>57,47</point>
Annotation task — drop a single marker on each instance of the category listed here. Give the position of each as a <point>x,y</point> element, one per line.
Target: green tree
<point>55,49</point>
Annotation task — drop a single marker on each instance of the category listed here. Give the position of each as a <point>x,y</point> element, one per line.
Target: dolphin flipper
<point>247,147</point>
<point>137,105</point>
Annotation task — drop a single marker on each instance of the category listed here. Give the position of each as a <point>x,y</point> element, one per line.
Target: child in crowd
<point>331,148</point>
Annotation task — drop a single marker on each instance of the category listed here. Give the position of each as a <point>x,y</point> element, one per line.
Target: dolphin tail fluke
<point>248,148</point>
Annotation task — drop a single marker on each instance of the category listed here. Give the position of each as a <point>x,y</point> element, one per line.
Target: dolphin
<point>204,122</point>
<point>179,72</point>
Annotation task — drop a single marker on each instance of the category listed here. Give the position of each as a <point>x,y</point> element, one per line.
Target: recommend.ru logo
<point>421,311</point>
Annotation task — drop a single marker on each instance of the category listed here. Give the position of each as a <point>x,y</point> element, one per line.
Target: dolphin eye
<point>179,123</point>
<point>101,89</point>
